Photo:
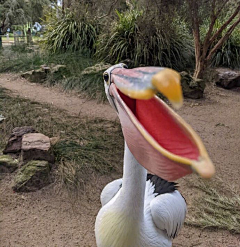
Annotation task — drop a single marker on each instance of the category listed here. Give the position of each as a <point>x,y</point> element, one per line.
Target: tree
<point>34,9</point>
<point>20,12</point>
<point>226,12</point>
<point>11,11</point>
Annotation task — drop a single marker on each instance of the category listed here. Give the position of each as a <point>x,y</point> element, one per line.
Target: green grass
<point>35,38</point>
<point>85,146</point>
<point>5,39</point>
<point>82,73</point>
<point>19,59</point>
<point>215,208</point>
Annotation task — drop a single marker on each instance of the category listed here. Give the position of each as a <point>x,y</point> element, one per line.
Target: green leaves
<point>228,55</point>
<point>20,12</point>
<point>68,34</point>
<point>134,36</point>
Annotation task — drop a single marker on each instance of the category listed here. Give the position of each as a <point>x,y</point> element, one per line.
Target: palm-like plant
<point>134,36</point>
<point>69,34</point>
<point>228,55</point>
<point>12,11</point>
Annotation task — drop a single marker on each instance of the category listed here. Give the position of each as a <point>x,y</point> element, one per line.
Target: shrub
<point>144,41</point>
<point>67,33</point>
<point>228,55</point>
<point>84,74</point>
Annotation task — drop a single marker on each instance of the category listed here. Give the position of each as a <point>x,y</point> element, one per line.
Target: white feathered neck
<point>131,196</point>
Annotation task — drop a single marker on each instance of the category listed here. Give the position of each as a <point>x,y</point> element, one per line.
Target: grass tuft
<point>216,209</point>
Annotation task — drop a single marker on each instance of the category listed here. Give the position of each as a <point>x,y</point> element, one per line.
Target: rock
<point>32,176</point>
<point>192,89</point>
<point>54,140</point>
<point>228,78</point>
<point>8,164</point>
<point>58,68</point>
<point>36,146</point>
<point>58,72</point>
<point>40,75</point>
<point>15,141</point>
<point>35,75</point>
<point>45,68</point>
<point>35,141</point>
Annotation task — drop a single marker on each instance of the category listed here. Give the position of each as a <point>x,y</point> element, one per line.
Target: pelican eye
<point>106,77</point>
<point>125,66</point>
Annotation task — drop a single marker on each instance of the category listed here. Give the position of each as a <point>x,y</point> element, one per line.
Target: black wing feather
<point>162,186</point>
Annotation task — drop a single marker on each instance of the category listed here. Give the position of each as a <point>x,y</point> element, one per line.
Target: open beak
<point>158,137</point>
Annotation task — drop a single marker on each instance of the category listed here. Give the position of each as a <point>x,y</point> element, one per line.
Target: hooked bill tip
<point>168,82</point>
<point>204,167</point>
<point>177,104</point>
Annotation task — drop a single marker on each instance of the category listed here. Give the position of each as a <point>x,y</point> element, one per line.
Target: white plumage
<point>133,215</point>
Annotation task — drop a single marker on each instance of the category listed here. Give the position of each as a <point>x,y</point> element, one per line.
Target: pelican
<point>141,209</point>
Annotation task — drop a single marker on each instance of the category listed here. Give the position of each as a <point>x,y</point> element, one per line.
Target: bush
<point>228,55</point>
<point>144,41</point>
<point>84,74</point>
<point>21,48</point>
<point>67,33</point>
<point>19,60</point>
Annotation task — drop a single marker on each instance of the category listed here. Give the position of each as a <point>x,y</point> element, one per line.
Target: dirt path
<point>55,96</point>
<point>50,218</point>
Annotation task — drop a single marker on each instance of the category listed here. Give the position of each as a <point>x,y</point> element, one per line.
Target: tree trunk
<point>0,38</point>
<point>66,4</point>
<point>200,67</point>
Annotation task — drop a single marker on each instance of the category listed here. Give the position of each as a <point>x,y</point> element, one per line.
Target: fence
<point>18,38</point>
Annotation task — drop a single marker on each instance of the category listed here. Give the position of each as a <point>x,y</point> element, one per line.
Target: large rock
<point>36,146</point>
<point>14,144</point>
<point>58,69</point>
<point>32,176</point>
<point>38,75</point>
<point>227,78</point>
<point>192,89</point>
<point>8,164</point>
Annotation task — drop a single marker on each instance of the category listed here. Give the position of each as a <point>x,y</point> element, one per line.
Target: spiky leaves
<point>67,33</point>
<point>142,41</point>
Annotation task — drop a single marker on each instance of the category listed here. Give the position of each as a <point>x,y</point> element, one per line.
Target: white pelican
<point>143,210</point>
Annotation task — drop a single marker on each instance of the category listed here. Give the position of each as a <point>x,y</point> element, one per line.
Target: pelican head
<point>157,136</point>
